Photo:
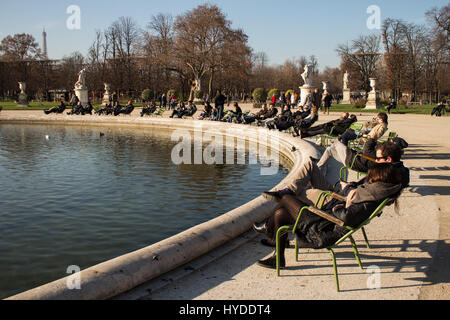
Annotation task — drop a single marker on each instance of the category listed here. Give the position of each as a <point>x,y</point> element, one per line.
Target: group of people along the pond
<point>355,201</point>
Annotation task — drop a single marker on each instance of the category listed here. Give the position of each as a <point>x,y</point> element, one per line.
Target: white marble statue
<point>22,87</point>
<point>346,80</point>
<point>306,75</point>
<point>81,83</point>
<point>107,88</point>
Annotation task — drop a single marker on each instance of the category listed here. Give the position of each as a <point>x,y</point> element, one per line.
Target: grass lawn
<point>425,109</point>
<point>10,105</point>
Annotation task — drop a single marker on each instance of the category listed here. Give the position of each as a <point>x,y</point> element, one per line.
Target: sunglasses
<point>380,158</point>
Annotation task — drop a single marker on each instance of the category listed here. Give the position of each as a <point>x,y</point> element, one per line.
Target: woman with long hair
<point>361,199</point>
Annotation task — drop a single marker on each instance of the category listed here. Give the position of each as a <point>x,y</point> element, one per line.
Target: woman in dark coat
<point>362,198</point>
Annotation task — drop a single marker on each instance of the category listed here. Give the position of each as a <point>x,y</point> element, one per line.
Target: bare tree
<point>414,36</point>
<point>200,36</point>
<point>362,56</point>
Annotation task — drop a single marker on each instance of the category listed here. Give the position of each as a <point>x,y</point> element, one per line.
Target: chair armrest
<point>338,197</point>
<point>326,216</point>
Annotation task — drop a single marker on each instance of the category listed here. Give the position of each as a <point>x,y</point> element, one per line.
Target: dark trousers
<point>219,112</point>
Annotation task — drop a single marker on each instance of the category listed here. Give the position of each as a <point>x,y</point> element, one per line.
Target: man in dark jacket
<point>339,125</point>
<point>372,153</point>
<point>219,102</point>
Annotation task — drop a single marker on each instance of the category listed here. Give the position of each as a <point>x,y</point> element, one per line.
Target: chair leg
<point>281,231</point>
<point>355,250</point>
<point>365,238</point>
<point>336,278</point>
<point>296,249</point>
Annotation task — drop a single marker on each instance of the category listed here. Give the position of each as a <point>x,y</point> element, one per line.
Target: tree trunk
<point>211,79</point>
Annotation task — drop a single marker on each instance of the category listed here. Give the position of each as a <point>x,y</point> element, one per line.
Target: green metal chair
<point>285,229</point>
<point>391,136</point>
<point>343,173</point>
<point>160,112</point>
<point>356,126</point>
<point>325,139</point>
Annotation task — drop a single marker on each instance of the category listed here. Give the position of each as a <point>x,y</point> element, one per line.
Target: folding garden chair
<point>343,173</point>
<point>160,112</point>
<point>391,136</point>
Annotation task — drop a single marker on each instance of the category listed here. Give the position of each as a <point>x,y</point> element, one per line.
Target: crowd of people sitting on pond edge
<point>300,120</point>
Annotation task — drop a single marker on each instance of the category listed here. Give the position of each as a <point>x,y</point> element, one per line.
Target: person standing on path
<point>219,102</point>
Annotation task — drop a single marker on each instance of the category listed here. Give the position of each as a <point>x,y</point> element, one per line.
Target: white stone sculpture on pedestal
<point>107,95</point>
<point>325,87</point>
<point>23,97</point>
<point>307,88</point>
<point>81,89</point>
<point>373,100</point>
<point>346,90</point>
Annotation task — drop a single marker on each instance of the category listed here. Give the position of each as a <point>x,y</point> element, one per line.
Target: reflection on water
<point>73,197</point>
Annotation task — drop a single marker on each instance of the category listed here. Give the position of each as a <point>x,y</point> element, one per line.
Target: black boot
<point>272,244</point>
<point>276,196</point>
<point>271,262</point>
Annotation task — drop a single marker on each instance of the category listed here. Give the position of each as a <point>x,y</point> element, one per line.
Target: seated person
<point>190,110</point>
<point>207,110</point>
<point>214,113</point>
<point>149,109</point>
<point>284,121</point>
<point>269,116</point>
<point>358,201</point>
<point>107,109</point>
<point>338,126</point>
<point>261,114</point>
<point>389,152</point>
<point>58,109</point>
<point>236,114</point>
<point>392,105</point>
<point>77,109</point>
<point>248,117</point>
<point>178,110</point>
<point>371,130</point>
<point>439,110</point>
<point>306,122</point>
<point>88,108</point>
<point>116,107</point>
<point>128,109</point>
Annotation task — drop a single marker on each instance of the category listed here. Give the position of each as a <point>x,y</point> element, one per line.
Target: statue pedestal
<point>83,95</point>
<point>23,100</point>
<point>346,97</point>
<point>106,98</point>
<point>373,101</point>
<point>304,91</point>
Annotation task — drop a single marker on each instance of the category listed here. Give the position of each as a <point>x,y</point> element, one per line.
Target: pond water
<point>74,195</point>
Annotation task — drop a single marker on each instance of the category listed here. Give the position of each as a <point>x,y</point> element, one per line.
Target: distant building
<point>44,45</point>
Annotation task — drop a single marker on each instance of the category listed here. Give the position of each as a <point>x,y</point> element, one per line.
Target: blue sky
<point>282,29</point>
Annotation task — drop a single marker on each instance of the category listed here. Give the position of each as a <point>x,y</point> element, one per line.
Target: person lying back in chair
<point>58,109</point>
<point>338,126</point>
<point>372,153</point>
<point>149,109</point>
<point>352,207</point>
